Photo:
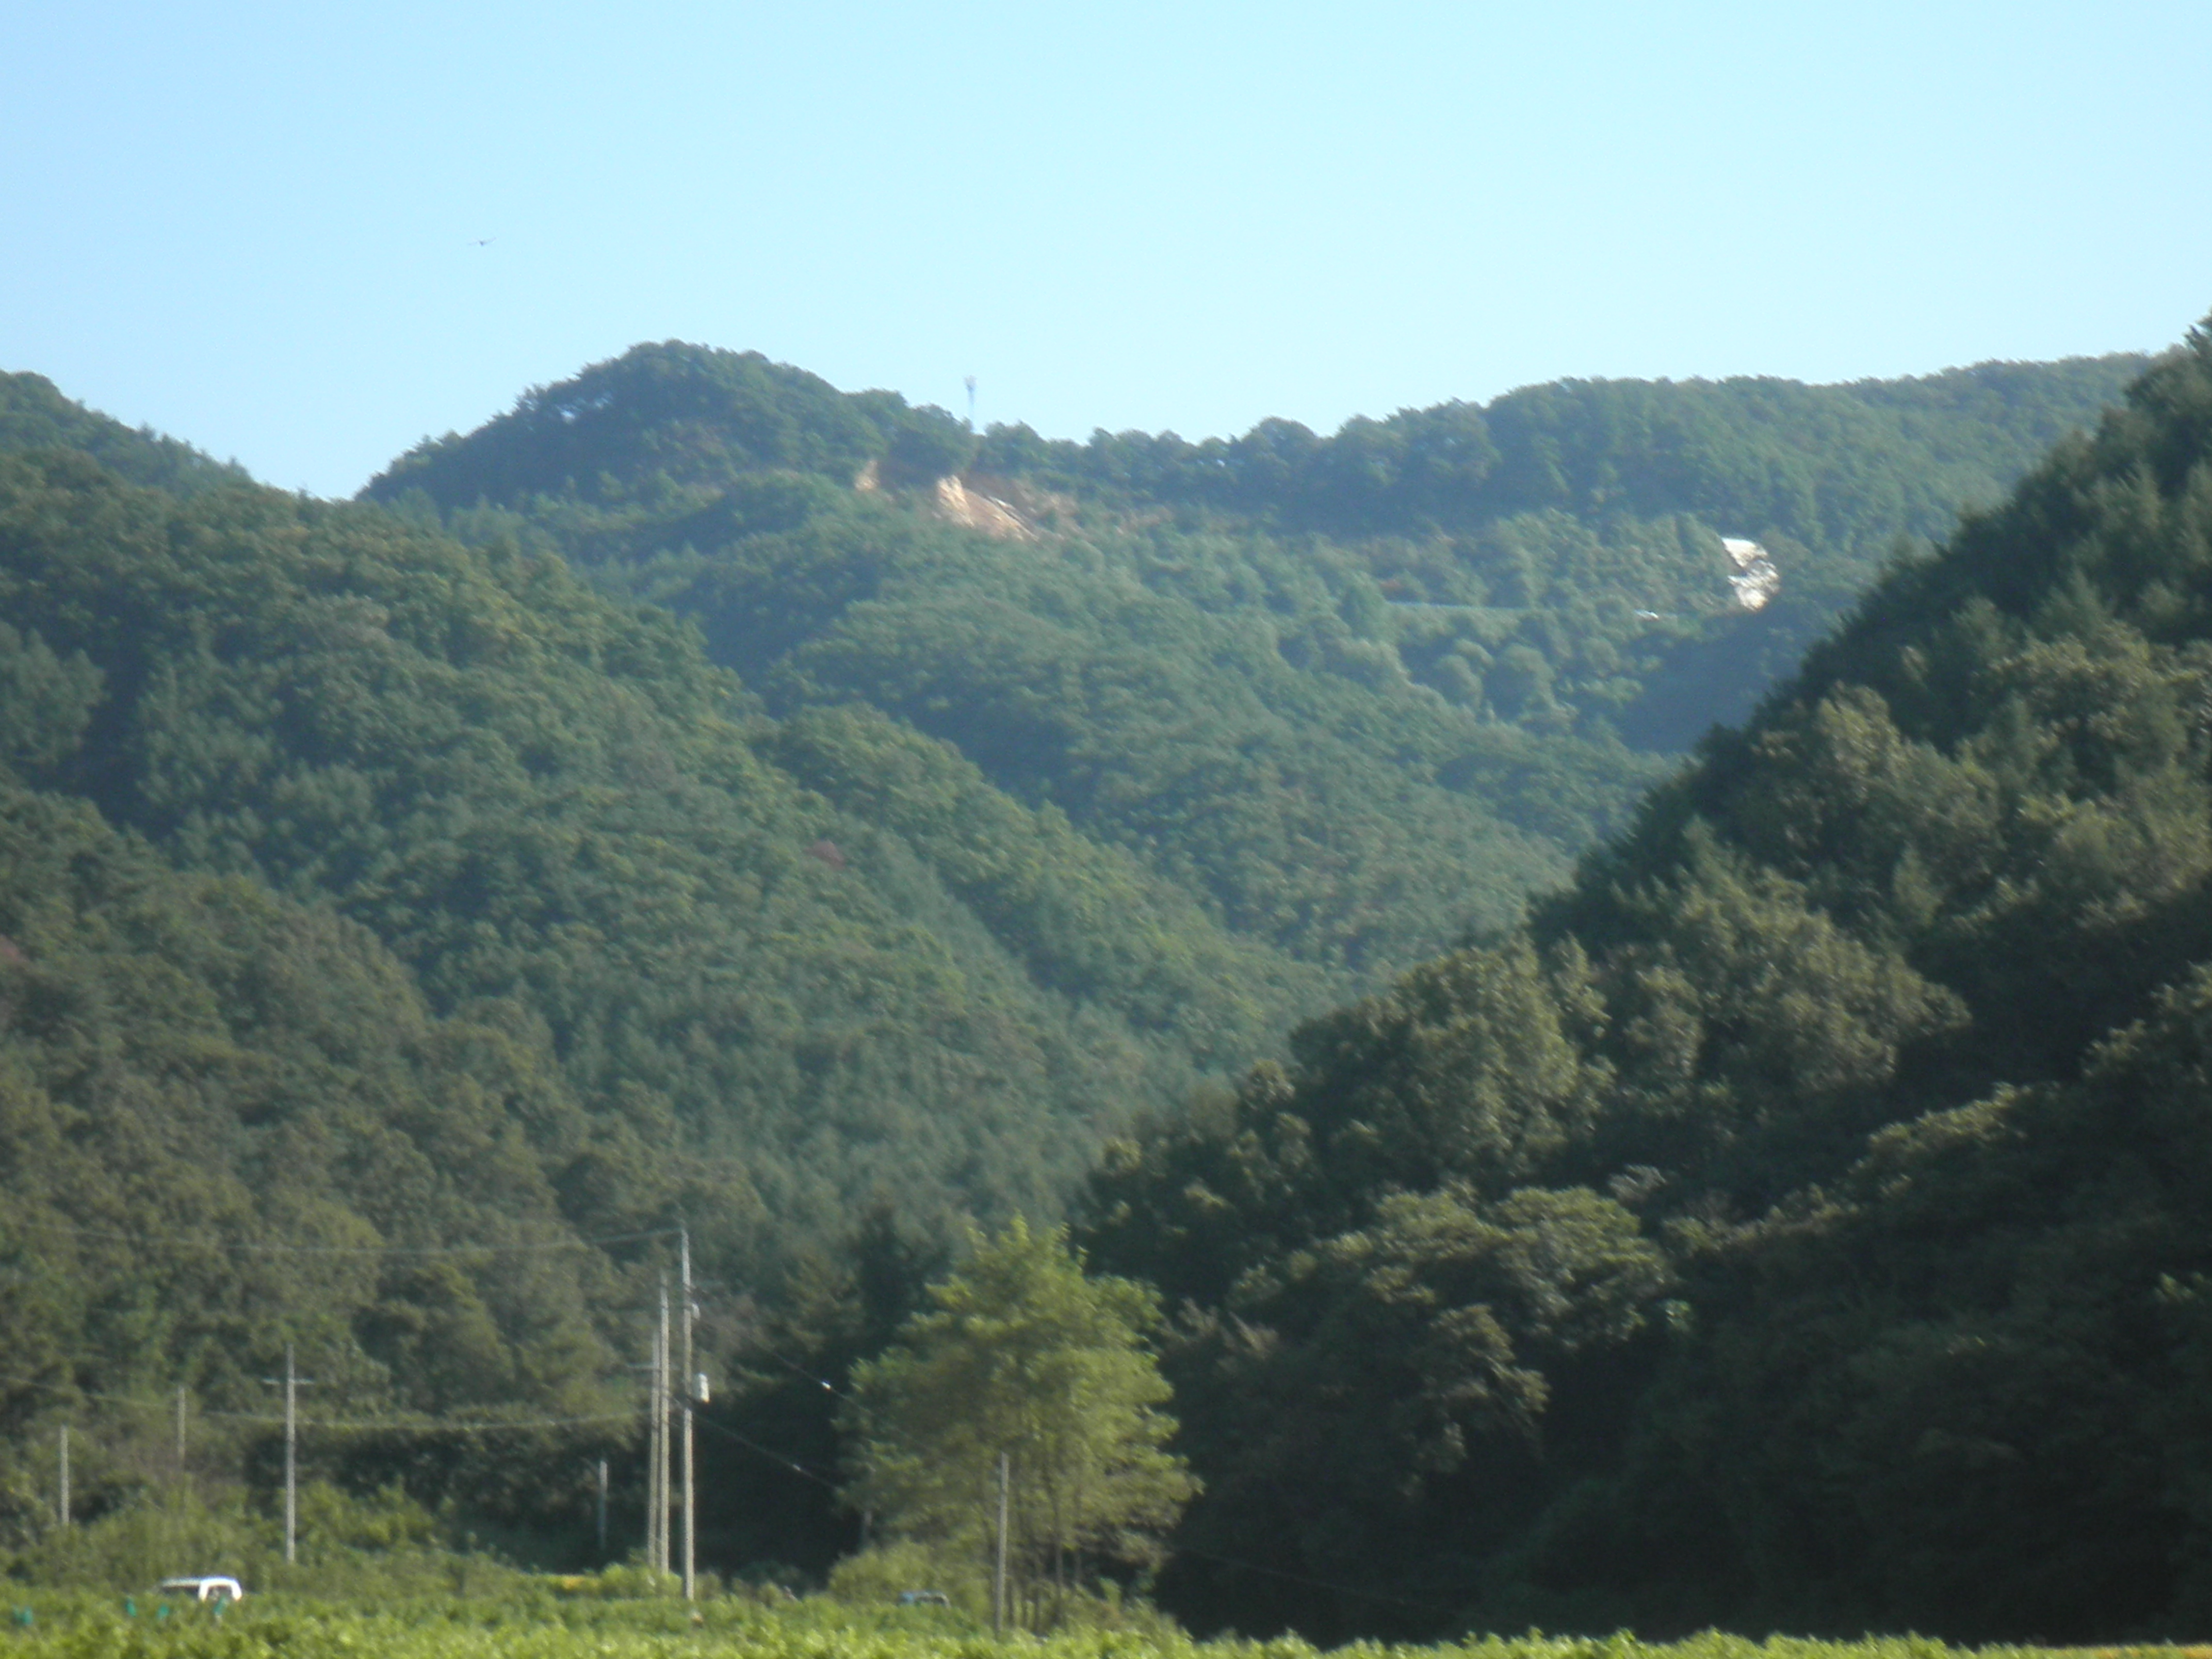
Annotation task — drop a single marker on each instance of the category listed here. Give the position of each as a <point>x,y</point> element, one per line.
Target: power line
<point>172,1242</point>
<point>372,1426</point>
<point>820,1383</point>
<point>381,1426</point>
<point>792,1464</point>
<point>827,1387</point>
<point>417,1425</point>
<point>808,1374</point>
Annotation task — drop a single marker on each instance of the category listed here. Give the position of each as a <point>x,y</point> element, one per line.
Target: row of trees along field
<point>503,1618</point>
<point>391,881</point>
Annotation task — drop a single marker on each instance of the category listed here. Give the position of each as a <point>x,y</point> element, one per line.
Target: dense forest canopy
<point>1354,695</point>
<point>34,415</point>
<point>608,936</point>
<point>228,1120</point>
<point>1800,1221</point>
<point>704,794</point>
<point>542,799</point>
<point>1844,469</point>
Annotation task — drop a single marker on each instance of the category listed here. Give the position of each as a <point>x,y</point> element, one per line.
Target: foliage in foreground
<point>1023,1370</point>
<point>368,1549</point>
<point>539,1622</point>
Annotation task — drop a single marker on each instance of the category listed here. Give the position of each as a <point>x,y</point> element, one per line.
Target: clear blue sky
<point>254,225</point>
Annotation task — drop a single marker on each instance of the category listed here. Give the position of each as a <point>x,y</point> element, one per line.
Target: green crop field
<point>547,1627</point>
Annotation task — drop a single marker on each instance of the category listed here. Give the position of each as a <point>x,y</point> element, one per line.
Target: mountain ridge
<point>813,857</point>
<point>1484,686</point>
<point>1798,1221</point>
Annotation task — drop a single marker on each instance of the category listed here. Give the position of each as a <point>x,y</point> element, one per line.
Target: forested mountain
<point>217,1102</point>
<point>1354,695</point>
<point>540,799</point>
<point>704,794</point>
<point>34,414</point>
<point>1802,1220</point>
<point>373,894</point>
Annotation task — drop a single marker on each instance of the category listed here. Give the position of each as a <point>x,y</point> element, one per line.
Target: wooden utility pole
<point>690,1399</point>
<point>180,1428</point>
<point>63,1507</point>
<point>998,1562</point>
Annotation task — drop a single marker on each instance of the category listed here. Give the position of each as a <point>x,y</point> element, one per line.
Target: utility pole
<point>661,1392</point>
<point>63,1507</point>
<point>999,1564</point>
<point>690,1399</point>
<point>291,1459</point>
<point>653,1506</point>
<point>602,1511</point>
<point>293,1381</point>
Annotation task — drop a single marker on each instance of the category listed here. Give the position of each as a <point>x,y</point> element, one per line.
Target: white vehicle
<point>205,1589</point>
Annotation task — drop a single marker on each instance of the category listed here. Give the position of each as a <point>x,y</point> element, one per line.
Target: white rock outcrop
<point>977,511</point>
<point>1751,573</point>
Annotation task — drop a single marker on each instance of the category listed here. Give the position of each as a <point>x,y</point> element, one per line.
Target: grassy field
<point>544,1624</point>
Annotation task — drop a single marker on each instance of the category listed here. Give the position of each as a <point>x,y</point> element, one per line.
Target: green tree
<point>1024,1356</point>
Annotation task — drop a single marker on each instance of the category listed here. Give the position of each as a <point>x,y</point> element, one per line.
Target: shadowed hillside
<point>1800,1222</point>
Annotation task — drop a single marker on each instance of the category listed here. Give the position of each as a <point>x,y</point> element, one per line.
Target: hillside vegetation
<point>1355,695</point>
<point>34,415</point>
<point>547,803</point>
<point>701,795</point>
<point>195,1062</point>
<point>1802,1220</point>
<point>366,894</point>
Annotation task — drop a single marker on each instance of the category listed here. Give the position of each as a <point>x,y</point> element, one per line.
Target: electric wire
<point>822,1383</point>
<point>780,1460</point>
<point>792,1464</point>
<point>418,1426</point>
<point>412,1426</point>
<point>175,1242</point>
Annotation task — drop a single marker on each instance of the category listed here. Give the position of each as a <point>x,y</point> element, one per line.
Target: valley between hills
<point>1622,969</point>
